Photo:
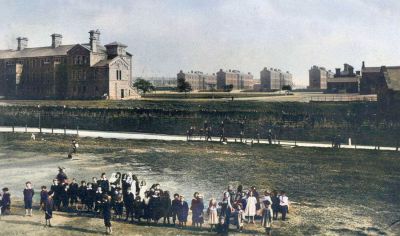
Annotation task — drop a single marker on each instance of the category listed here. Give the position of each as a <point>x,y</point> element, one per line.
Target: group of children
<point>109,198</point>
<point>242,206</point>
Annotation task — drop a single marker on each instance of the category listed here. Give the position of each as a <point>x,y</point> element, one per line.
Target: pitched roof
<point>115,43</point>
<point>44,51</point>
<point>36,52</point>
<point>392,77</point>
<point>103,63</point>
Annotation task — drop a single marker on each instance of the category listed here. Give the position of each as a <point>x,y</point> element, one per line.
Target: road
<point>165,137</point>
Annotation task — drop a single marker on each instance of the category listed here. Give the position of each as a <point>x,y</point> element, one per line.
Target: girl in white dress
<point>250,210</point>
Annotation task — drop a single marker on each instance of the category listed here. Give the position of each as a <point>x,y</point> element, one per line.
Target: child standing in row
<point>28,196</point>
<point>212,214</point>
<point>43,197</point>
<point>183,212</point>
<point>267,217</point>
<point>5,202</point>
<point>48,208</point>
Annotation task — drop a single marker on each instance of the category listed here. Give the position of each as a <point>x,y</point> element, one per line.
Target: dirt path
<point>164,137</point>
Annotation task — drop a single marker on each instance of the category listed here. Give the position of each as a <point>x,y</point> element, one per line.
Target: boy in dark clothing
<point>138,207</point>
<point>104,183</point>
<point>129,202</point>
<point>221,227</point>
<point>48,209</point>
<point>98,200</point>
<point>90,197</point>
<point>43,197</point>
<point>183,212</point>
<point>175,207</point>
<point>5,202</point>
<point>106,209</point>
<point>117,202</point>
<point>56,197</point>
<point>28,195</point>
<point>64,195</point>
<point>73,192</point>
<point>82,194</point>
<point>61,176</point>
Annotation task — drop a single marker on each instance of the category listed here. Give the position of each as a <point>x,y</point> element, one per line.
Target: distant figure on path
<point>33,137</point>
<point>270,136</point>
<point>208,138</point>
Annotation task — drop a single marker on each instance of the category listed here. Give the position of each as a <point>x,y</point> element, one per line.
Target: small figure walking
<point>269,136</point>
<point>48,209</point>
<point>28,195</point>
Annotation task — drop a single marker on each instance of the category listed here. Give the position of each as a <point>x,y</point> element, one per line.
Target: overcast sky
<point>168,35</point>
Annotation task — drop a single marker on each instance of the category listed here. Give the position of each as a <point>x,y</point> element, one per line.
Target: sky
<point>166,36</point>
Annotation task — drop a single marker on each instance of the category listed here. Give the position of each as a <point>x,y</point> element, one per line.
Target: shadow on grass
<point>64,227</point>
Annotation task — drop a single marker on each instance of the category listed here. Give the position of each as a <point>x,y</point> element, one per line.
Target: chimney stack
<point>94,39</point>
<point>56,40</point>
<point>337,71</point>
<point>22,43</point>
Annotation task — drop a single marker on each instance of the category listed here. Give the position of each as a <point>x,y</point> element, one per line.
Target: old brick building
<point>345,81</point>
<point>239,81</point>
<point>198,80</point>
<point>77,71</point>
<point>274,79</point>
<point>318,77</point>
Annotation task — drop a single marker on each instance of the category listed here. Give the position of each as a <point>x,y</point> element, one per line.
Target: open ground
<point>334,192</point>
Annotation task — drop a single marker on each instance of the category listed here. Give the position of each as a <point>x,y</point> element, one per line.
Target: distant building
<point>162,83</point>
<point>389,92</point>
<point>371,79</point>
<point>76,71</point>
<point>345,81</point>
<point>239,81</point>
<point>198,80</point>
<point>318,77</point>
<point>275,79</point>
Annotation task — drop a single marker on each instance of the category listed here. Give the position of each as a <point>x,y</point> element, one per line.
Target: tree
<point>183,85</point>
<point>228,88</point>
<point>287,87</point>
<point>143,86</point>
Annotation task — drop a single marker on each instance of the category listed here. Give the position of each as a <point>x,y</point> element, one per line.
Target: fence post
<point>26,128</point>
<point>65,130</point>
<point>77,130</point>
<point>13,128</point>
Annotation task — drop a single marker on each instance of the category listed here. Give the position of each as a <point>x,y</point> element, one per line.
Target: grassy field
<point>211,95</point>
<point>334,192</point>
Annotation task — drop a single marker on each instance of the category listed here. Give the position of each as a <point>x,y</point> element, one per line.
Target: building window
<point>119,75</point>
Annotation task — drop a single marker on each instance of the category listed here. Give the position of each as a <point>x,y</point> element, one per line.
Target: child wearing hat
<point>5,202</point>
